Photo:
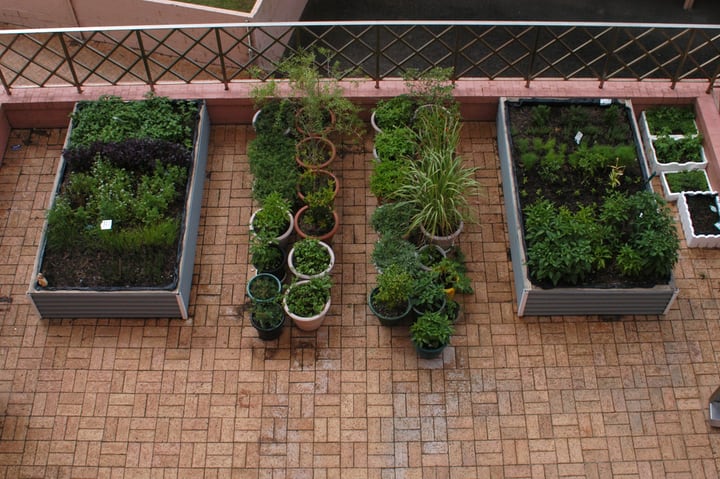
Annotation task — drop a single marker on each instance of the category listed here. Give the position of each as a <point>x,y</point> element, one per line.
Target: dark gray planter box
<point>134,303</point>
<point>536,301</point>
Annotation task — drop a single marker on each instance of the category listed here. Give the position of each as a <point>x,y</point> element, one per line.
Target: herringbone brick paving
<point>204,398</point>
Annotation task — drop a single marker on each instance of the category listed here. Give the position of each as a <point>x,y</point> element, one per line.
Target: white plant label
<point>106,225</point>
<point>578,137</point>
<point>605,101</point>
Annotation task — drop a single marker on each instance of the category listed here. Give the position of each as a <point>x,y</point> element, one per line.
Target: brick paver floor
<point>204,398</point>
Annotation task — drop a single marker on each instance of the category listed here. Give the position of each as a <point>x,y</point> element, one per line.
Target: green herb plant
<point>431,330</point>
<point>308,299</point>
<point>310,257</point>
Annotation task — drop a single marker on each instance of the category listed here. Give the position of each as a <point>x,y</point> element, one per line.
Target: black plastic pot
<point>384,319</point>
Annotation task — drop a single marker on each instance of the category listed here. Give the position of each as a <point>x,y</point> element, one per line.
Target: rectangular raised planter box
<point>674,195</point>
<point>692,239</point>
<point>134,303</point>
<point>536,301</point>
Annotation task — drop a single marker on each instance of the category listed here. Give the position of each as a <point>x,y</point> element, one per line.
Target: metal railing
<point>226,53</point>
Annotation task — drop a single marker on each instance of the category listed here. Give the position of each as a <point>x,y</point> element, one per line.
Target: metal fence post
<point>68,59</point>
<point>145,61</point>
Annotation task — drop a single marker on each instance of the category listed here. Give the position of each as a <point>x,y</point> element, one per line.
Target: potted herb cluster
<point>310,258</point>
<point>587,234</point>
<point>671,137</point>
<point>424,191</point>
<point>121,230</point>
<point>674,183</point>
<point>308,301</point>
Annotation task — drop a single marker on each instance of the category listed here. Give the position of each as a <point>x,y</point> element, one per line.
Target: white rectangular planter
<point>674,195</point>
<point>536,301</point>
<point>648,135</point>
<point>133,302</point>
<point>695,240</point>
<point>658,167</point>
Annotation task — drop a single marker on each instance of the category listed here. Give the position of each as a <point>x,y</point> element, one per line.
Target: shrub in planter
<point>388,177</point>
<point>391,219</point>
<point>452,275</point>
<point>395,112</point>
<point>427,294</point>
<point>274,221</point>
<point>272,163</point>
<point>314,180</point>
<point>268,319</point>
<point>395,250</point>
<point>275,116</point>
<point>396,144</point>
<point>431,333</point>
<point>318,218</point>
<point>309,258</point>
<point>429,255</point>
<point>267,257</point>
<point>307,302</point>
<point>670,150</point>
<point>439,188</point>
<point>390,299</point>
<point>263,287</point>
<point>315,152</point>
<point>671,120</point>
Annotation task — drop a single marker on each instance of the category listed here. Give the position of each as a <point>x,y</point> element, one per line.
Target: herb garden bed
<point>96,258</point>
<point>567,259</point>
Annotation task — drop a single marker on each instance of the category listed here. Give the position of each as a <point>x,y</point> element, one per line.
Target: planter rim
<point>283,238</point>
<point>326,271</point>
<point>324,237</point>
<point>307,323</point>
<point>261,276</point>
<point>325,172</point>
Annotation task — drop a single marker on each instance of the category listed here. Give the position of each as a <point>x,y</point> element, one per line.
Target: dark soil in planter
<point>88,262</point>
<point>385,310</point>
<point>572,189</point>
<point>703,217</point>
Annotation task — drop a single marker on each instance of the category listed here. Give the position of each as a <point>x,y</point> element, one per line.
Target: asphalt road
<point>634,11</point>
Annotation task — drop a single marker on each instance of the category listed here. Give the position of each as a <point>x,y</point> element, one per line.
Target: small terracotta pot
<point>324,237</point>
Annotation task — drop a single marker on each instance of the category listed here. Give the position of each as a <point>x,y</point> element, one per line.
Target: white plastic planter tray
<point>659,167</point>
<point>647,135</point>
<point>673,196</point>
<point>695,240</point>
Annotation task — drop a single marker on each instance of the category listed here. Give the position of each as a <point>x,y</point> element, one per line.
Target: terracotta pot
<point>323,237</point>
<point>324,173</point>
<point>328,145</point>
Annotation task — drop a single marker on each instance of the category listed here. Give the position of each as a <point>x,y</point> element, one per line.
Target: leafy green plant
<point>319,215</point>
<point>268,314</point>
<point>314,152</point>
<point>431,330</point>
<point>692,180</point>
<point>396,144</point>
<point>429,255</point>
<point>271,158</point>
<point>320,94</point>
<point>681,150</point>
<point>438,129</point>
<point>394,286</point>
<point>272,219</point>
<point>307,299</point>
<point>428,294</point>
<point>276,116</point>
<point>391,219</point>
<point>263,287</point>
<point>395,112</point>
<point>671,120</point>
<point>112,120</point>
<point>452,273</point>
<point>394,250</point>
<point>266,255</point>
<point>388,177</point>
<point>310,257</point>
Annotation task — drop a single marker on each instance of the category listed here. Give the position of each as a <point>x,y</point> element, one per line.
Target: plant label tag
<point>106,225</point>
<point>578,137</point>
<point>605,101</point>
<point>713,209</point>
<point>717,225</point>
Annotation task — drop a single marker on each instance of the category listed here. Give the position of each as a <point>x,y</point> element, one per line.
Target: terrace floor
<point>540,397</point>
